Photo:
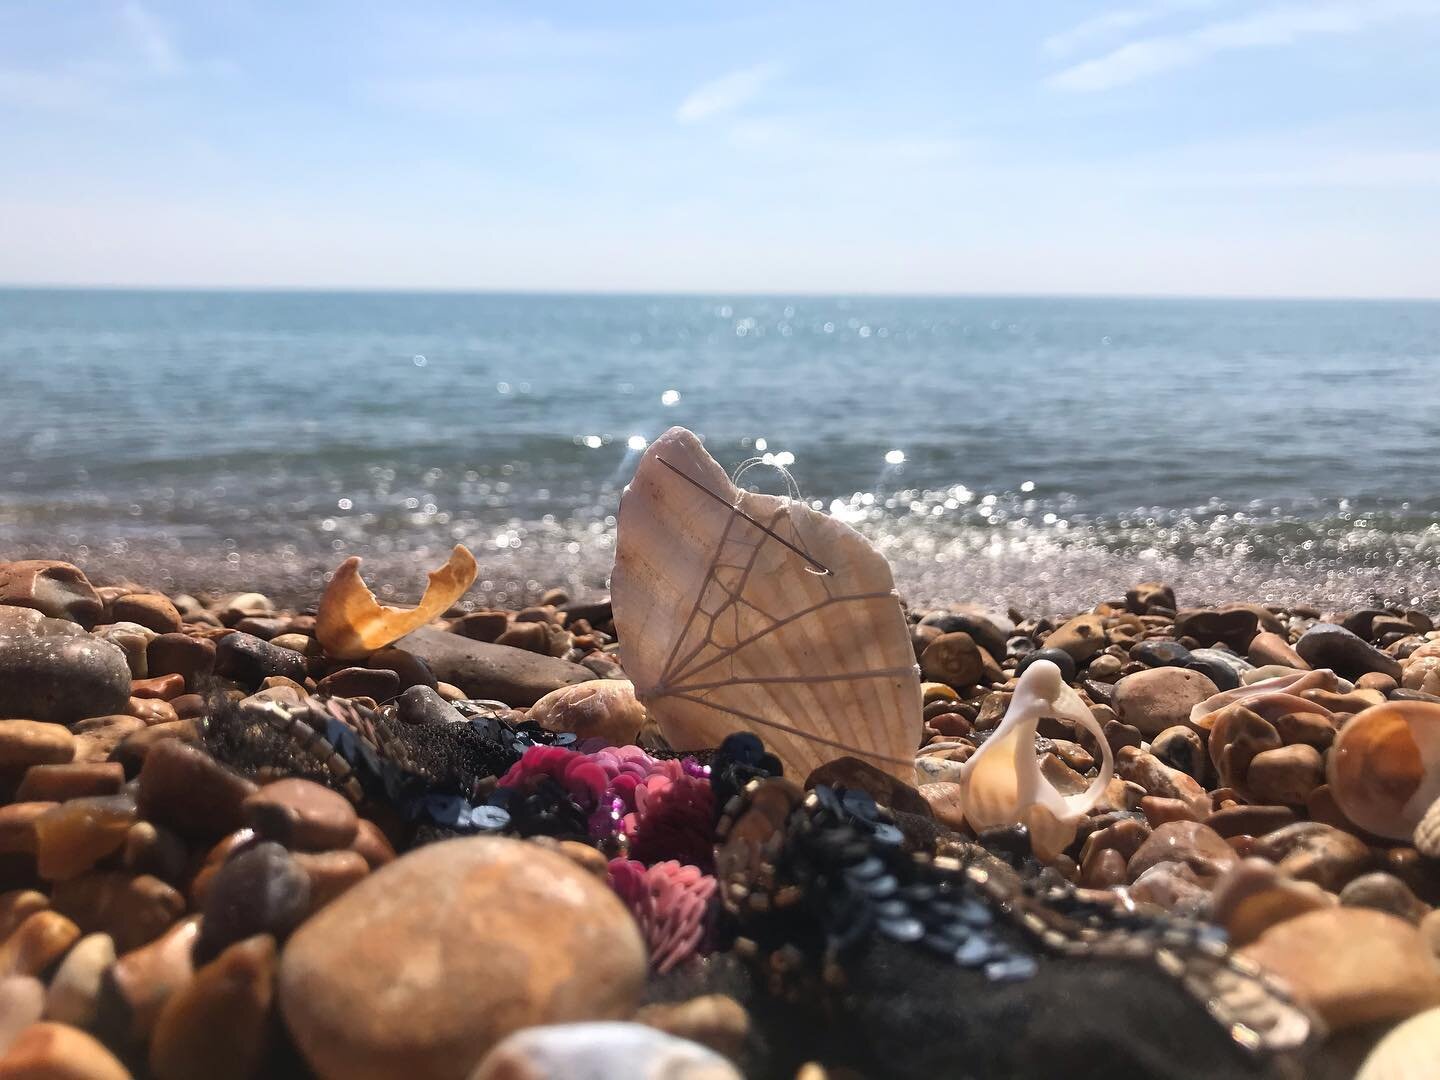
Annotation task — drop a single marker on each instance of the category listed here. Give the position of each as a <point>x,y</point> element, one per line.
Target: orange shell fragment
<point>351,623</point>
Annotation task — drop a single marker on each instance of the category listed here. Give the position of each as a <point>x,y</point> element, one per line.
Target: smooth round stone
<point>1150,595</point>
<point>186,789</point>
<point>1155,652</point>
<point>133,910</point>
<point>22,1003</point>
<point>1197,846</point>
<point>1181,748</point>
<point>17,905</point>
<point>75,835</point>
<point>1267,648</point>
<point>422,705</point>
<point>1250,820</point>
<point>72,780</point>
<point>1223,668</point>
<point>243,606</point>
<point>601,1051</point>
<point>605,709</point>
<point>133,640</point>
<point>953,659</point>
<point>49,1051</point>
<point>30,742</point>
<point>301,814</point>
<point>55,589</point>
<point>192,658</point>
<point>714,1020</point>
<point>425,965</point>
<point>98,736</point>
<point>1286,775</point>
<point>250,661</point>
<point>217,1027</point>
<point>1059,657</point>
<point>1253,896</point>
<point>259,890</point>
<point>150,610</point>
<point>75,987</point>
<point>36,943</point>
<point>352,682</point>
<point>1235,626</point>
<point>1104,667</point>
<point>1351,965</point>
<point>1384,892</point>
<point>1313,851</point>
<point>142,980</point>
<point>1159,698</point>
<point>372,844</point>
<point>989,629</point>
<point>331,873</point>
<point>1326,645</point>
<point>408,668</point>
<point>492,671</point>
<point>1080,638</point>
<point>1160,780</point>
<point>52,670</point>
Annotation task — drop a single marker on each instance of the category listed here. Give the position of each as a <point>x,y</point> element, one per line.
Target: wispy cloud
<point>151,36</point>
<point>724,95</point>
<point>1272,28</point>
<point>1118,21</point>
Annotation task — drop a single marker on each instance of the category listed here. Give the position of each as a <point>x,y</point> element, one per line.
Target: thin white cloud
<point>151,37</point>
<point>1118,21</point>
<point>725,94</point>
<point>1272,28</point>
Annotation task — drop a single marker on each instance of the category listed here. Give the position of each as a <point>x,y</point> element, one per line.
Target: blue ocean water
<point>1039,452</point>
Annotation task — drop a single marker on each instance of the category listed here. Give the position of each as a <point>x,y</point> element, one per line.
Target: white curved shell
<point>1409,1052</point>
<point>724,628</point>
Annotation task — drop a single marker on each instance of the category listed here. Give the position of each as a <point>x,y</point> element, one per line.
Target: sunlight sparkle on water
<point>895,457</point>
<point>636,442</point>
<point>670,397</point>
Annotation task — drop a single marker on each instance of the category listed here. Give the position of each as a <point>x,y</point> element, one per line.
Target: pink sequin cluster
<point>672,904</point>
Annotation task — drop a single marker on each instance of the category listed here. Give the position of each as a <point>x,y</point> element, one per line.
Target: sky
<point>1134,147</point>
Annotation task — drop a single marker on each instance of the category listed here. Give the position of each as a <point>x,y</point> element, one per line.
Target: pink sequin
<point>672,904</point>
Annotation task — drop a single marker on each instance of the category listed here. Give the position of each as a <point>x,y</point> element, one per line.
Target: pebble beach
<point>469,853</point>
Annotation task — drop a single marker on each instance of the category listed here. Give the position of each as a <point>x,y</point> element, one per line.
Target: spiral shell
<point>1427,833</point>
<point>1384,768</point>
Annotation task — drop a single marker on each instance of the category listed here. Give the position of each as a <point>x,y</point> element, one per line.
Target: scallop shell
<point>1409,1052</point>
<point>1427,833</point>
<point>728,623</point>
<point>1003,781</point>
<point>1384,768</point>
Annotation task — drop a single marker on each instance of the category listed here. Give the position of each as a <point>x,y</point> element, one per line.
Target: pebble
<point>52,670</point>
<point>1402,1053</point>
<point>186,789</point>
<point>133,641</point>
<point>17,826</point>
<point>1104,667</point>
<point>1384,892</point>
<point>953,659</point>
<point>1157,652</point>
<point>1430,930</point>
<point>154,849</point>
<point>22,1003</point>
<point>1326,645</point>
<point>1158,810</point>
<point>145,978</point>
<point>132,909</point>
<point>76,834</point>
<point>36,943</point>
<point>1253,896</point>
<point>601,1051</point>
<point>352,682</point>
<point>150,610</point>
<point>1267,648</point>
<point>50,1051</point>
<point>250,661</point>
<point>1158,698</point>
<point>259,890</point>
<point>74,780</point>
<point>331,873</point>
<point>243,606</point>
<point>425,965</point>
<point>372,844</point>
<point>192,658</point>
<point>17,905</point>
<point>1196,846</point>
<point>1236,627</point>
<point>29,742</point>
<point>75,988</point>
<point>1157,778</point>
<point>1312,851</point>
<point>498,672</point>
<point>1172,886</point>
<point>1250,820</point>
<point>1080,638</point>
<point>218,1027</point>
<point>55,589</point>
<point>1059,657</point>
<point>1311,728</point>
<point>1351,965</point>
<point>407,667</point>
<point>946,802</point>
<point>1237,735</point>
<point>161,687</point>
<point>1286,775</point>
<point>1181,748</point>
<point>601,709</point>
<point>1149,596</point>
<point>98,736</point>
<point>301,814</point>
<point>1224,669</point>
<point>714,1020</point>
<point>989,629</point>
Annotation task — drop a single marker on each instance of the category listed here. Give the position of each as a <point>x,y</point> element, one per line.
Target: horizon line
<point>880,294</point>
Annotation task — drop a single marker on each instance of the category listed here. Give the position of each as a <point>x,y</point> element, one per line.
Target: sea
<point>1041,453</point>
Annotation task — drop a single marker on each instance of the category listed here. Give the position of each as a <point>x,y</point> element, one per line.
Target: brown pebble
<point>36,943</point>
<point>17,905</point>
<point>330,873</point>
<point>1384,892</point>
<point>1311,851</point>
<point>33,742</point>
<point>150,610</point>
<point>1250,820</point>
<point>132,910</point>
<point>56,589</point>
<point>371,842</point>
<point>1267,648</point>
<point>153,711</point>
<point>17,826</point>
<point>302,814</point>
<point>353,682</point>
<point>408,668</point>
<point>1198,847</point>
<point>192,658</point>
<point>145,978</point>
<point>154,849</point>
<point>74,991</point>
<point>132,750</point>
<point>161,687</point>
<point>1104,868</point>
<point>1376,680</point>
<point>714,1020</point>
<point>72,837</point>
<point>189,706</point>
<point>97,737</point>
<point>186,789</point>
<point>218,1027</point>
<point>953,659</point>
<point>22,1003</point>
<point>56,783</point>
<point>1252,896</point>
<point>50,1051</point>
<point>1286,775</point>
<point>1158,810</point>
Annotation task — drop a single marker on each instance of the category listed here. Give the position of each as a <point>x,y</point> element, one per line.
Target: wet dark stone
<point>422,705</point>
<point>1160,653</point>
<point>1223,675</point>
<point>259,890</point>
<point>1059,657</point>
<point>250,661</point>
<point>180,654</point>
<point>408,668</point>
<point>1350,656</point>
<point>352,682</point>
<point>981,630</point>
<point>1400,693</point>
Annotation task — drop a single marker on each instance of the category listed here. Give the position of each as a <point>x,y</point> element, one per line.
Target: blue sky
<point>1211,147</point>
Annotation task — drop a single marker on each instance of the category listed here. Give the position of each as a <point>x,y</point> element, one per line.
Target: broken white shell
<point>1269,698</point>
<point>1003,782</point>
<point>727,622</point>
<point>1408,1052</point>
